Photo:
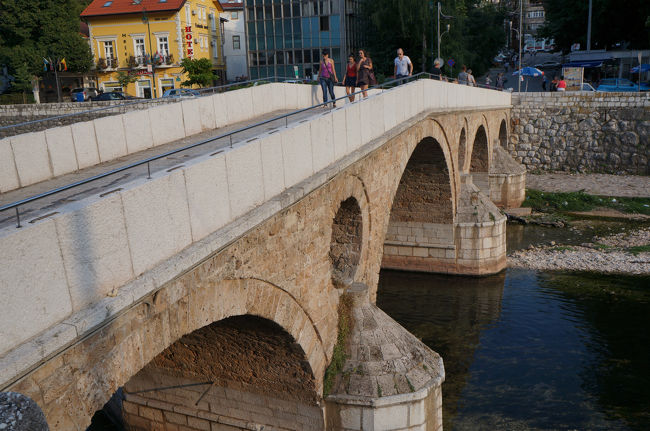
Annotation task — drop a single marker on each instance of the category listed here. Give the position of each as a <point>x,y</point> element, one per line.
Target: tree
<point>35,29</point>
<point>126,78</point>
<point>22,82</point>
<point>613,22</point>
<point>475,36</point>
<point>199,72</point>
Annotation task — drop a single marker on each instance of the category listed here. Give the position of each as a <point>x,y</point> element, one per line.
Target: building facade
<point>234,41</point>
<point>147,39</point>
<point>286,37</point>
<point>534,16</point>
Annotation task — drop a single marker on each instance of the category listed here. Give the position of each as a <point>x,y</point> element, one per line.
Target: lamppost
<point>440,35</point>
<point>521,19</point>
<point>145,19</point>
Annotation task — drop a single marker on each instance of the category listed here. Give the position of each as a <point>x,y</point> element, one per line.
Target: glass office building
<point>287,34</point>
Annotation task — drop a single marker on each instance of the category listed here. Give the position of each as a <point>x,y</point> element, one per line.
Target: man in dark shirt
<point>436,72</point>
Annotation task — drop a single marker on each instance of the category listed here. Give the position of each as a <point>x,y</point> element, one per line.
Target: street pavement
<point>534,84</point>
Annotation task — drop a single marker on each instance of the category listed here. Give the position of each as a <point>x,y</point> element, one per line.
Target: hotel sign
<point>189,49</point>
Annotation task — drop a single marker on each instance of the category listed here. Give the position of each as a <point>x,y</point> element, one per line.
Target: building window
<point>324,23</point>
<point>139,50</point>
<point>236,44</point>
<point>163,45</point>
<point>213,19</point>
<point>234,15</point>
<point>109,49</point>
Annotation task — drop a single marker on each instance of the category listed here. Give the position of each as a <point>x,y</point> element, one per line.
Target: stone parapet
<point>507,180</point>
<point>584,132</point>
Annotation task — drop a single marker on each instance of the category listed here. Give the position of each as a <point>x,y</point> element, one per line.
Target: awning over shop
<point>590,63</point>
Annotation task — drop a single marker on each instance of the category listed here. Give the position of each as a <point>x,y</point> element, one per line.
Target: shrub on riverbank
<point>581,201</point>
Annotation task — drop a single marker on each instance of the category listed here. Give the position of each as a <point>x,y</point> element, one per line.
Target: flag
<point>45,63</point>
<point>64,64</point>
<point>51,64</point>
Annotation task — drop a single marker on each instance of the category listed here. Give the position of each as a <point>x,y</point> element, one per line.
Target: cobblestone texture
<point>577,132</point>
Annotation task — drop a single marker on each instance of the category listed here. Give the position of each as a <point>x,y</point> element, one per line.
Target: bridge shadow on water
<point>527,350</point>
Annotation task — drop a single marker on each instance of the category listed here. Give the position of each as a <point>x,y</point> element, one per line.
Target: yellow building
<point>149,38</point>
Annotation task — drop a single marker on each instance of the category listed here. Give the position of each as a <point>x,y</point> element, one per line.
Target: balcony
<point>107,63</point>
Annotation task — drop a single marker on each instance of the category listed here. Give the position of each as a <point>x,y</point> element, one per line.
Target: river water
<point>526,350</point>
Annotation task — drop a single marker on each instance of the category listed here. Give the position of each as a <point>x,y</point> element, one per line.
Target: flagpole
<point>58,84</point>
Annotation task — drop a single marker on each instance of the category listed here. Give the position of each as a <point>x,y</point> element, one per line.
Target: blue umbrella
<point>644,68</point>
<point>529,71</point>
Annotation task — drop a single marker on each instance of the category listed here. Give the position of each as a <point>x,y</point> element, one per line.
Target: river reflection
<point>529,350</point>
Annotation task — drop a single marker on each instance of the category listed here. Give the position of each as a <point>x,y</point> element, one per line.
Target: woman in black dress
<point>365,74</point>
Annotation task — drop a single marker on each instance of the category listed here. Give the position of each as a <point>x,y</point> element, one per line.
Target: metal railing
<point>388,84</point>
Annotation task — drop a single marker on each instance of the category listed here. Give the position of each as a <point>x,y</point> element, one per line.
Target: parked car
<point>587,87</point>
<point>181,92</point>
<point>87,92</point>
<point>113,95</point>
<point>620,85</point>
<point>548,65</point>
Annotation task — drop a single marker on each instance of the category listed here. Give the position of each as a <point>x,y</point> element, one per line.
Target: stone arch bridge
<point>231,320</point>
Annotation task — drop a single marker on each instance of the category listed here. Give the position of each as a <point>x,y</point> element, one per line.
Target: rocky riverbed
<point>621,253</point>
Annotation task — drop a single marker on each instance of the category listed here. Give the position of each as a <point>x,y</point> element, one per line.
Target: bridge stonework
<point>282,270</point>
<point>311,214</point>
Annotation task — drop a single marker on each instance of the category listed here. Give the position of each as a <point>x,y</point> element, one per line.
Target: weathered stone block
<point>111,141</point>
<point>245,178</point>
<point>32,301</point>
<point>61,150</point>
<point>296,154</point>
<point>322,141</point>
<point>95,250</point>
<point>8,174</point>
<point>30,155</point>
<point>239,104</point>
<point>272,164</point>
<point>167,123</point>
<point>85,144</point>
<point>157,219</point>
<point>137,130</point>
<point>191,116</point>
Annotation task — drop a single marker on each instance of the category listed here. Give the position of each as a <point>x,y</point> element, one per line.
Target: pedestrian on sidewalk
<point>327,77</point>
<point>544,82</point>
<point>462,76</point>
<point>350,79</point>
<point>470,79</point>
<point>488,81</point>
<point>554,83</point>
<point>561,85</point>
<point>365,73</point>
<point>500,81</point>
<point>437,71</point>
<point>403,66</point>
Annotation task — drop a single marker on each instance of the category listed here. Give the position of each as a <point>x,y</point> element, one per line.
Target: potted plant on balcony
<point>101,63</point>
<point>169,59</point>
<point>132,62</point>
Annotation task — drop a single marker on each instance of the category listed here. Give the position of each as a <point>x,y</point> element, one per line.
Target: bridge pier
<point>390,379</point>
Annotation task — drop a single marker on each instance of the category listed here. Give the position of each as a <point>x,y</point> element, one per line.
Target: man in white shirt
<point>403,66</point>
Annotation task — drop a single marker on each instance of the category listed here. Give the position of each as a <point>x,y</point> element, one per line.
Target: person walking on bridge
<point>437,71</point>
<point>462,76</point>
<point>365,73</point>
<point>350,79</point>
<point>403,66</point>
<point>327,77</point>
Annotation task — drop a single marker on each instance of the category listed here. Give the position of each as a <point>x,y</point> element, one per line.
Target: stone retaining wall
<point>584,132</point>
<point>18,114</point>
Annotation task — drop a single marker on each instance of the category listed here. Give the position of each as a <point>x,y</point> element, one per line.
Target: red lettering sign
<point>188,28</point>
<point>189,43</point>
<point>190,52</point>
<point>188,39</point>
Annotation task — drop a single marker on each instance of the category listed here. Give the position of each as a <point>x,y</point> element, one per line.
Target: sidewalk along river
<point>526,350</point>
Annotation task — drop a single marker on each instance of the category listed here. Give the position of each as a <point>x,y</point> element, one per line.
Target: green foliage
<point>338,356</point>
<point>475,36</point>
<point>199,72</point>
<point>581,201</point>
<point>35,29</point>
<point>126,78</point>
<point>612,21</point>
<point>639,249</point>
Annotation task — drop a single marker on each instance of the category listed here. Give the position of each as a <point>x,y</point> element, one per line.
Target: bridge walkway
<point>48,205</point>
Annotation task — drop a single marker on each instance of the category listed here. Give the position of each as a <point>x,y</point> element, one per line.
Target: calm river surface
<point>526,350</point>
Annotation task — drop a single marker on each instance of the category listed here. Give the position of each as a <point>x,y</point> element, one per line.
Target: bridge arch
<point>480,151</point>
<point>462,149</point>
<point>503,134</point>
<point>243,359</point>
